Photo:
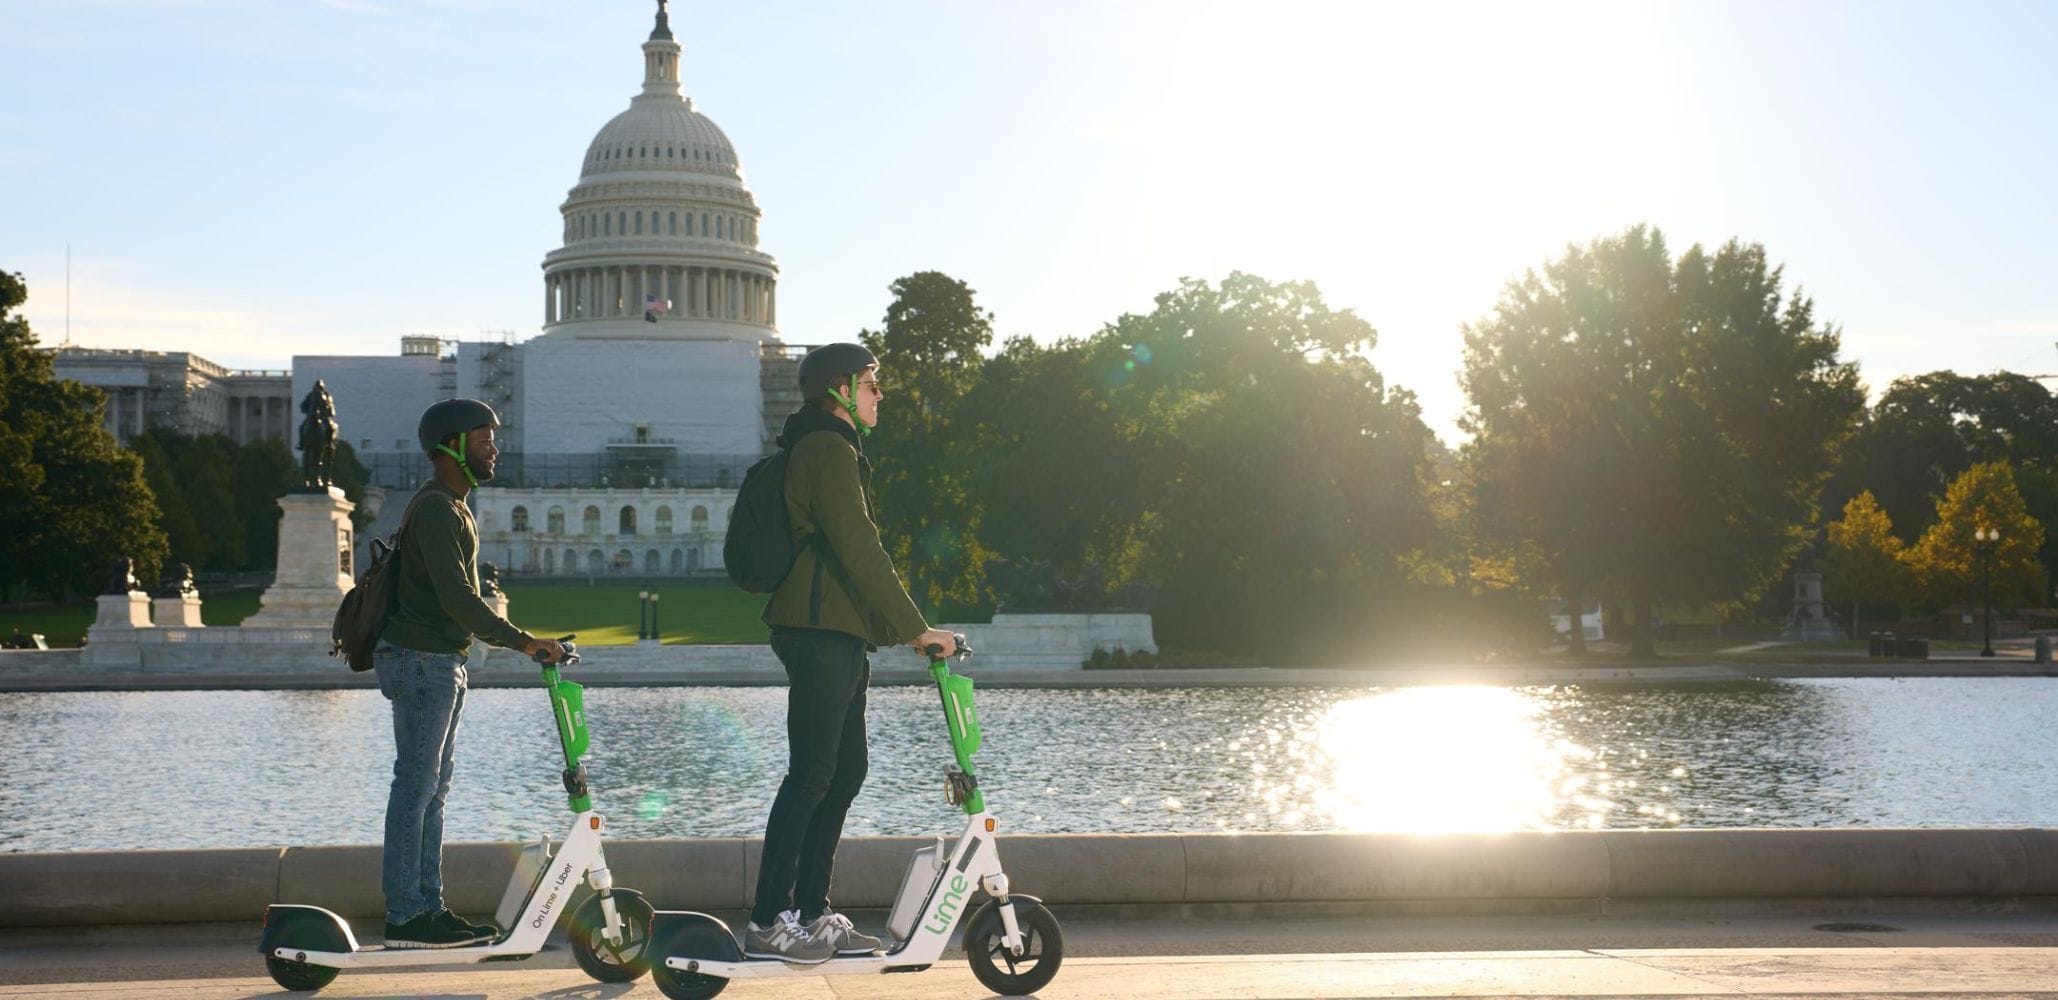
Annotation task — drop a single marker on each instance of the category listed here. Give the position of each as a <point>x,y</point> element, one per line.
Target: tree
<point>1928,429</point>
<point>1232,452</point>
<point>184,539</point>
<point>71,498</point>
<point>1944,561</point>
<point>1651,428</point>
<point>265,470</point>
<point>1864,560</point>
<point>929,352</point>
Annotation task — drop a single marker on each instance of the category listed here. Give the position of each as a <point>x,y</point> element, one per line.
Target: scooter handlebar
<point>935,650</point>
<point>571,654</point>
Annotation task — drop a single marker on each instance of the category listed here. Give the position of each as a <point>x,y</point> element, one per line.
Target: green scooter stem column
<point>568,705</point>
<point>965,737</point>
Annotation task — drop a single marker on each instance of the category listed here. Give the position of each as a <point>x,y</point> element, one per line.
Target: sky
<point>254,179</point>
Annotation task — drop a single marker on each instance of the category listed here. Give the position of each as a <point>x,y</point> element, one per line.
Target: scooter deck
<point>380,956</point>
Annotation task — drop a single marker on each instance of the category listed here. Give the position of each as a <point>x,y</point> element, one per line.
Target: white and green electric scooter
<point>1012,941</point>
<point>305,946</point>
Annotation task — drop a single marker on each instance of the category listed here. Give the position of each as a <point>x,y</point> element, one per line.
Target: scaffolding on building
<point>497,374</point>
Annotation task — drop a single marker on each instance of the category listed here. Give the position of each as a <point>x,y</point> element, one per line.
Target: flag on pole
<point>653,307</point>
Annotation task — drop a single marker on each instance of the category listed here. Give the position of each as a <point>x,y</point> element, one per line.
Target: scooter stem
<point>568,706</point>
<point>963,719</point>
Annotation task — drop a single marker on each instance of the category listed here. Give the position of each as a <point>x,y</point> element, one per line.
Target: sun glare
<point>1450,760</point>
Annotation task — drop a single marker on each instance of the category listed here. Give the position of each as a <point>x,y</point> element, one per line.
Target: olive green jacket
<point>439,609</point>
<point>844,580</point>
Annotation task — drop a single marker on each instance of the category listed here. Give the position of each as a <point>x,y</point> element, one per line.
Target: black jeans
<point>826,763</point>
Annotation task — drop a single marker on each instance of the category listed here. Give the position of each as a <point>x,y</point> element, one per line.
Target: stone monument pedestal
<point>316,567</point>
<point>111,639</point>
<point>1810,621</point>
<point>182,611</point>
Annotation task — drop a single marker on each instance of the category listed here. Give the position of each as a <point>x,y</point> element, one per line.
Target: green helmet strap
<point>462,465</point>
<point>844,398</point>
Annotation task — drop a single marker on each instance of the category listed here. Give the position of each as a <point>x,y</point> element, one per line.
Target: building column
<point>549,299</point>
<point>771,302</point>
<point>664,282</point>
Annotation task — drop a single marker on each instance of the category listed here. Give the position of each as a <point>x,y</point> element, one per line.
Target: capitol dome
<point>659,135</point>
<point>660,233</point>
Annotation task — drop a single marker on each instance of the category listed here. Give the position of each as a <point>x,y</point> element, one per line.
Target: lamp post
<point>642,609</point>
<point>653,617</point>
<point>1983,541</point>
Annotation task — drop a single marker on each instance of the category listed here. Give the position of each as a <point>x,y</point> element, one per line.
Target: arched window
<point>592,521</point>
<point>607,226</point>
<point>664,520</point>
<point>703,223</point>
<point>624,562</point>
<point>518,519</point>
<point>678,561</point>
<point>672,223</point>
<point>595,562</point>
<point>628,520</point>
<point>639,223</point>
<point>650,561</point>
<point>692,560</point>
<point>554,521</point>
<point>549,561</point>
<point>622,222</point>
<point>571,561</point>
<point>699,519</point>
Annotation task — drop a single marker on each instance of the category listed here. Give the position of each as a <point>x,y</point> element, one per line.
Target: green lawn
<point>603,615</point>
<point>65,625</point>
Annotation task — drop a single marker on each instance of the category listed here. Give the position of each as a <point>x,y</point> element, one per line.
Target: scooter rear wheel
<point>298,975</point>
<point>1003,972</point>
<point>605,962</point>
<point>691,938</point>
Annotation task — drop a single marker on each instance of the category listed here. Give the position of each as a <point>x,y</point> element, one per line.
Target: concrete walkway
<point>1892,972</point>
<point>1111,956</point>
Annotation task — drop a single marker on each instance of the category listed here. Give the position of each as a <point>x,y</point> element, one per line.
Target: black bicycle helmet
<point>821,367</point>
<point>452,416</point>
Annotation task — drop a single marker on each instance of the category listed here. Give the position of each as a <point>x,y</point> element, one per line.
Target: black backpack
<point>363,612</point>
<point>759,549</point>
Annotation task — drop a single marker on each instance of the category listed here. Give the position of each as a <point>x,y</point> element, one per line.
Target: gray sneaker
<point>786,941</point>
<point>842,935</point>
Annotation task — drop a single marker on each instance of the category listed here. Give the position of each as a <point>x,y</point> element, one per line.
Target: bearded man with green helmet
<point>840,600</point>
<point>420,661</point>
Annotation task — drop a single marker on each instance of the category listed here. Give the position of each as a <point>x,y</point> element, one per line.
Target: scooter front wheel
<point>1002,971</point>
<point>609,963</point>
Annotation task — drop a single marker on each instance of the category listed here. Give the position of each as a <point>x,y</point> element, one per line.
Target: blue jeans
<point>427,692</point>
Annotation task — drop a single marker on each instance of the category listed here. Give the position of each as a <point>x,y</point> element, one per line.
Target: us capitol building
<point>657,379</point>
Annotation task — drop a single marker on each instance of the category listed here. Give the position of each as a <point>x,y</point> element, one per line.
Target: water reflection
<point>125,770</point>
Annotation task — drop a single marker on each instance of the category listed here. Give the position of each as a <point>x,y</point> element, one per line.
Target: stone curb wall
<point>1521,870</point>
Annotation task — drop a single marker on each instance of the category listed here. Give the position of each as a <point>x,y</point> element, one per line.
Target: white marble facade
<point>603,532</point>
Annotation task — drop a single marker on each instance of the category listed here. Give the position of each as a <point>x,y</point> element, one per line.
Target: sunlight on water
<point>1443,760</point>
<point>706,762</point>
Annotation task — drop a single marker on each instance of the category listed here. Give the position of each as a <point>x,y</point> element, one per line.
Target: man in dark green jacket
<point>420,661</point>
<point>841,600</point>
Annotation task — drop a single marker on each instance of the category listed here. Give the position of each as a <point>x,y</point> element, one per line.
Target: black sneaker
<point>485,932</point>
<point>426,931</point>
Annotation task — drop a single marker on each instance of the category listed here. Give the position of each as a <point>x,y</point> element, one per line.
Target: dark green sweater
<point>439,608</point>
<point>844,580</point>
